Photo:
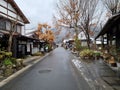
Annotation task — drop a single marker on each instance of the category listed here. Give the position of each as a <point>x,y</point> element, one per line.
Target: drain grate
<point>44,70</point>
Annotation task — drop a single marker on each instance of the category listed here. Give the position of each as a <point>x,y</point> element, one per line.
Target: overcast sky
<point>37,11</point>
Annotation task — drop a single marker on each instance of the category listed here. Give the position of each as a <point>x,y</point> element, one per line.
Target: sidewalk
<point>30,59</point>
<point>29,62</point>
<point>99,74</point>
<point>33,59</point>
<point>101,70</point>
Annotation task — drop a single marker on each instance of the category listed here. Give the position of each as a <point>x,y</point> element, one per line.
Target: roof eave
<point>107,25</point>
<point>13,3</point>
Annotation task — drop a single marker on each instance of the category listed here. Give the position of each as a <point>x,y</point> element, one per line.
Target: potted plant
<point>86,54</point>
<point>97,55</point>
<point>8,67</point>
<point>111,60</point>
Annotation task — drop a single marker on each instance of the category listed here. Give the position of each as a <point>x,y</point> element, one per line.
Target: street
<point>60,45</point>
<point>55,72</point>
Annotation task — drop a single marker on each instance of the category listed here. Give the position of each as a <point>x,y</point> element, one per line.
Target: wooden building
<point>111,35</point>
<point>22,45</point>
<point>42,43</point>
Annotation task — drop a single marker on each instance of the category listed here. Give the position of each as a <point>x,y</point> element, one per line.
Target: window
<point>18,28</point>
<point>81,35</point>
<point>2,25</point>
<point>19,48</point>
<point>8,25</point>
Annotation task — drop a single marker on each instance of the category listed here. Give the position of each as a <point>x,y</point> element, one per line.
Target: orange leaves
<point>93,24</point>
<point>48,35</point>
<point>69,12</point>
<point>39,31</point>
<point>64,21</point>
<point>46,26</point>
<point>76,16</point>
<point>39,27</point>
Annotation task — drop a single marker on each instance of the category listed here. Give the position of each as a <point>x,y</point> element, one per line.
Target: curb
<point>20,72</point>
<point>31,60</point>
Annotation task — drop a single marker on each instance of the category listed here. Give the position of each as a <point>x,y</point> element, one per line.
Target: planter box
<point>113,64</point>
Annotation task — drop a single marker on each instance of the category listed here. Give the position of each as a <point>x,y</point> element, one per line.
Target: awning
<point>109,24</point>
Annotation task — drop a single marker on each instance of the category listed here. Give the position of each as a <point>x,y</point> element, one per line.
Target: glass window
<point>2,25</point>
<point>19,48</point>
<point>18,28</point>
<point>8,25</point>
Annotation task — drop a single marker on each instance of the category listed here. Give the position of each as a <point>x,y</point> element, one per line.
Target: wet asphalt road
<point>55,72</point>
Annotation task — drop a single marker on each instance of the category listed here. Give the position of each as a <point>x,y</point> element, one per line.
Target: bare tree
<point>88,19</point>
<point>68,16</point>
<point>78,14</point>
<point>11,34</point>
<point>113,6</point>
<point>69,13</point>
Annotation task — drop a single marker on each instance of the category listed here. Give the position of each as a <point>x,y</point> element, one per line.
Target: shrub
<point>13,60</point>
<point>2,52</point>
<point>77,44</point>
<point>87,53</point>
<point>97,53</point>
<point>49,47</point>
<point>83,48</point>
<point>37,54</point>
<point>1,57</point>
<point>106,56</point>
<point>8,54</point>
<point>7,62</point>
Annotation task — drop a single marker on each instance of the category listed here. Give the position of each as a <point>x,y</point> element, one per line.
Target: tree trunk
<point>88,41</point>
<point>10,43</point>
<point>76,31</point>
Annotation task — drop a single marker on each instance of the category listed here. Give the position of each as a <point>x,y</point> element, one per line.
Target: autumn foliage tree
<point>47,35</point>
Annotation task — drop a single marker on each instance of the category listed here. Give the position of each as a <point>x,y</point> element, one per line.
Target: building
<point>111,34</point>
<point>42,43</point>
<point>83,39</point>
<point>11,14</point>
<point>9,11</point>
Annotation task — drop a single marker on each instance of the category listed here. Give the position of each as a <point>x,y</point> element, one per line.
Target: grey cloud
<point>37,10</point>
